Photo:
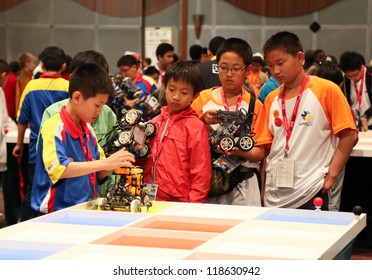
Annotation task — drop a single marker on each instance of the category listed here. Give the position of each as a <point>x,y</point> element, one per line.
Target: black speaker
<point>315,27</point>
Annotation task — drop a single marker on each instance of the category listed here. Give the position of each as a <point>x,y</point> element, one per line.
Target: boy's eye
<point>223,68</point>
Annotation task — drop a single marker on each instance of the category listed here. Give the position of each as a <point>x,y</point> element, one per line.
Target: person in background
<point>38,71</point>
<point>36,97</point>
<point>319,55</point>
<point>138,58</point>
<point>180,163</point>
<point>4,73</point>
<point>27,64</point>
<point>309,59</point>
<point>256,75</point>
<point>107,119</point>
<point>268,87</point>
<point>165,55</point>
<point>127,65</point>
<point>330,71</point>
<point>195,52</point>
<point>357,87</point>
<point>66,72</point>
<point>6,123</point>
<point>10,89</point>
<point>204,55</point>
<point>209,69</point>
<point>146,63</point>
<point>153,73</point>
<point>70,163</point>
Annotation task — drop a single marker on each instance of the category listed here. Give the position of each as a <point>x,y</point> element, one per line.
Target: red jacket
<point>180,157</point>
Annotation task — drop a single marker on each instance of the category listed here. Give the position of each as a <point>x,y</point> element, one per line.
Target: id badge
<point>285,173</point>
<point>151,190</point>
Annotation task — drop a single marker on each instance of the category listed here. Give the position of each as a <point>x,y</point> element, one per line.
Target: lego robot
<point>234,131</point>
<point>128,190</point>
<point>132,133</point>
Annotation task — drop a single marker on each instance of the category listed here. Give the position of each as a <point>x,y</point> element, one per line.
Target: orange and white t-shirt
<point>205,102</point>
<point>323,112</point>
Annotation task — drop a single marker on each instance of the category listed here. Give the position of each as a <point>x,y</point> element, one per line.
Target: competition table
<point>364,146</point>
<point>357,187</point>
<point>11,136</point>
<point>181,231</point>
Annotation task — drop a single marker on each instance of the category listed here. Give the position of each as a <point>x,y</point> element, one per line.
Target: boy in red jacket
<point>180,163</point>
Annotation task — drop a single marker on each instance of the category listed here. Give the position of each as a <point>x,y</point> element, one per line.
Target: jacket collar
<point>186,113</point>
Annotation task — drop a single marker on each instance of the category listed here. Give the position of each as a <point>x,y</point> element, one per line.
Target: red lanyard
<point>289,128</point>
<point>238,102</point>
<point>359,92</point>
<point>88,157</point>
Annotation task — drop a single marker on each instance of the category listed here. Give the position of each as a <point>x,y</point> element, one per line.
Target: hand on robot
<point>234,152</point>
<point>131,103</point>
<point>208,117</point>
<point>121,158</point>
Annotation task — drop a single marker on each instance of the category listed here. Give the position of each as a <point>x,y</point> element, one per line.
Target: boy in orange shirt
<point>234,61</point>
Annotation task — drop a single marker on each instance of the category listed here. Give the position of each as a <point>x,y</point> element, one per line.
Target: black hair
<point>215,43</point>
<point>127,60</point>
<point>286,41</point>
<point>350,61</point>
<point>14,66</point>
<point>151,70</point>
<point>238,46</point>
<point>195,52</point>
<point>309,59</point>
<point>163,48</point>
<point>316,53</point>
<point>4,67</point>
<point>89,56</point>
<point>187,72</point>
<point>53,58</point>
<point>258,59</point>
<point>330,71</point>
<point>329,58</point>
<point>90,79</point>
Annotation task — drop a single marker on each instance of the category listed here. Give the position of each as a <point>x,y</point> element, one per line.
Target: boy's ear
<point>76,96</point>
<point>301,56</point>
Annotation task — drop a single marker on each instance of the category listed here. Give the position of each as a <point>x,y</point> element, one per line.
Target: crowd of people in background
<point>291,90</point>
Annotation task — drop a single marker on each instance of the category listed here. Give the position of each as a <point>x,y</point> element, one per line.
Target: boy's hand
<point>208,117</point>
<point>121,158</point>
<point>364,121</point>
<point>17,151</point>
<point>234,152</point>
<point>131,103</point>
